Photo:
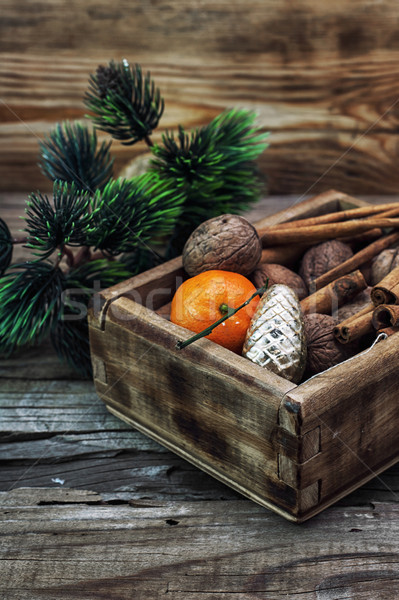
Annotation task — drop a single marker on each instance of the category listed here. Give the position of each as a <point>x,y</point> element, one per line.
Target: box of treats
<point>305,411</point>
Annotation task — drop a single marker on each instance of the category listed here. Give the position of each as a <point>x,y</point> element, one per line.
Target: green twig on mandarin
<point>229,313</point>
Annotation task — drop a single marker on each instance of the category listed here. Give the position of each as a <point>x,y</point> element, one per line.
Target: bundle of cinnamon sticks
<point>335,225</point>
<point>382,314</point>
<point>284,243</point>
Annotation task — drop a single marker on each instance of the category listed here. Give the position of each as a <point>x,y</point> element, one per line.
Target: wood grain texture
<point>133,520</point>
<point>358,433</point>
<point>323,79</point>
<point>219,415</point>
<point>178,549</point>
<point>52,428</point>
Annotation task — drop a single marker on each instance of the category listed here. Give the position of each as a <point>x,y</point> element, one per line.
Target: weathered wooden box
<point>295,449</point>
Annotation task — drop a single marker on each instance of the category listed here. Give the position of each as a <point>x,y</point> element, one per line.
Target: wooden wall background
<point>322,76</point>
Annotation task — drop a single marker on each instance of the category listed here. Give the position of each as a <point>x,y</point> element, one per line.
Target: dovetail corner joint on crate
<point>295,449</point>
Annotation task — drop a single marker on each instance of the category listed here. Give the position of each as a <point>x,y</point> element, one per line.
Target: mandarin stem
<point>230,312</point>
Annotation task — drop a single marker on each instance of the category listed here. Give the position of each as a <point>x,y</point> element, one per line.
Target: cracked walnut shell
<point>384,263</point>
<point>227,243</point>
<point>321,258</point>
<point>323,350</point>
<point>279,274</point>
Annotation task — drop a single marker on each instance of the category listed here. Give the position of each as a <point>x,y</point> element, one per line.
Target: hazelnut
<point>321,258</point>
<point>324,351</point>
<point>383,264</point>
<point>227,242</point>
<point>279,274</point>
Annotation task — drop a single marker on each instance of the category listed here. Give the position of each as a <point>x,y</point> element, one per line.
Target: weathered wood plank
<point>58,429</point>
<point>24,364</point>
<point>64,438</point>
<point>77,546</point>
<point>204,27</point>
<point>322,79</point>
<point>124,475</point>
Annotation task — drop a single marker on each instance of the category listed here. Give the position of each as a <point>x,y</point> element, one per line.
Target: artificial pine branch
<point>62,221</point>
<point>193,177</point>
<point>125,104</point>
<point>214,167</point>
<point>101,272</point>
<point>69,335</point>
<point>29,303</point>
<point>128,213</point>
<point>70,154</point>
<point>140,259</point>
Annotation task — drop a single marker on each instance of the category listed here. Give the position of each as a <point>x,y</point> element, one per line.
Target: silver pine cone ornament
<point>275,338</point>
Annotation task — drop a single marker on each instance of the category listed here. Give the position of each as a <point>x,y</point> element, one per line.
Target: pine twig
<point>70,258</point>
<point>20,240</point>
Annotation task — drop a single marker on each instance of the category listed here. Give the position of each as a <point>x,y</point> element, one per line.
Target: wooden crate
<point>295,449</point>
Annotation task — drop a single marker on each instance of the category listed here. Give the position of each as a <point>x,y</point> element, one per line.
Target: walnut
<point>279,274</point>
<point>227,242</point>
<point>321,258</point>
<point>323,349</point>
<point>383,264</point>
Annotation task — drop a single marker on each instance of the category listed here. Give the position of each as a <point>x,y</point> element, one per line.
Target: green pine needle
<point>70,154</point>
<point>125,104</point>
<point>97,274</point>
<point>214,166</point>
<point>69,335</point>
<point>70,340</point>
<point>194,176</point>
<point>30,299</point>
<point>6,247</point>
<point>128,213</point>
<point>140,260</point>
<point>62,221</point>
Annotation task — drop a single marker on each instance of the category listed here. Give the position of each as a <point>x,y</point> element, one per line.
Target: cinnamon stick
<point>389,330</point>
<point>286,255</point>
<point>343,215</point>
<point>386,315</point>
<point>369,236</point>
<point>387,291</point>
<point>333,295</point>
<point>318,233</point>
<point>358,259</point>
<point>355,326</point>
<point>363,238</point>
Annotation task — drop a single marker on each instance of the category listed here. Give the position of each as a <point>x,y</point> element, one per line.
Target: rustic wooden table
<point>91,509</point>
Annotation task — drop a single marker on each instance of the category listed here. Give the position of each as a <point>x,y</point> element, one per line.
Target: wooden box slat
<point>295,449</point>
